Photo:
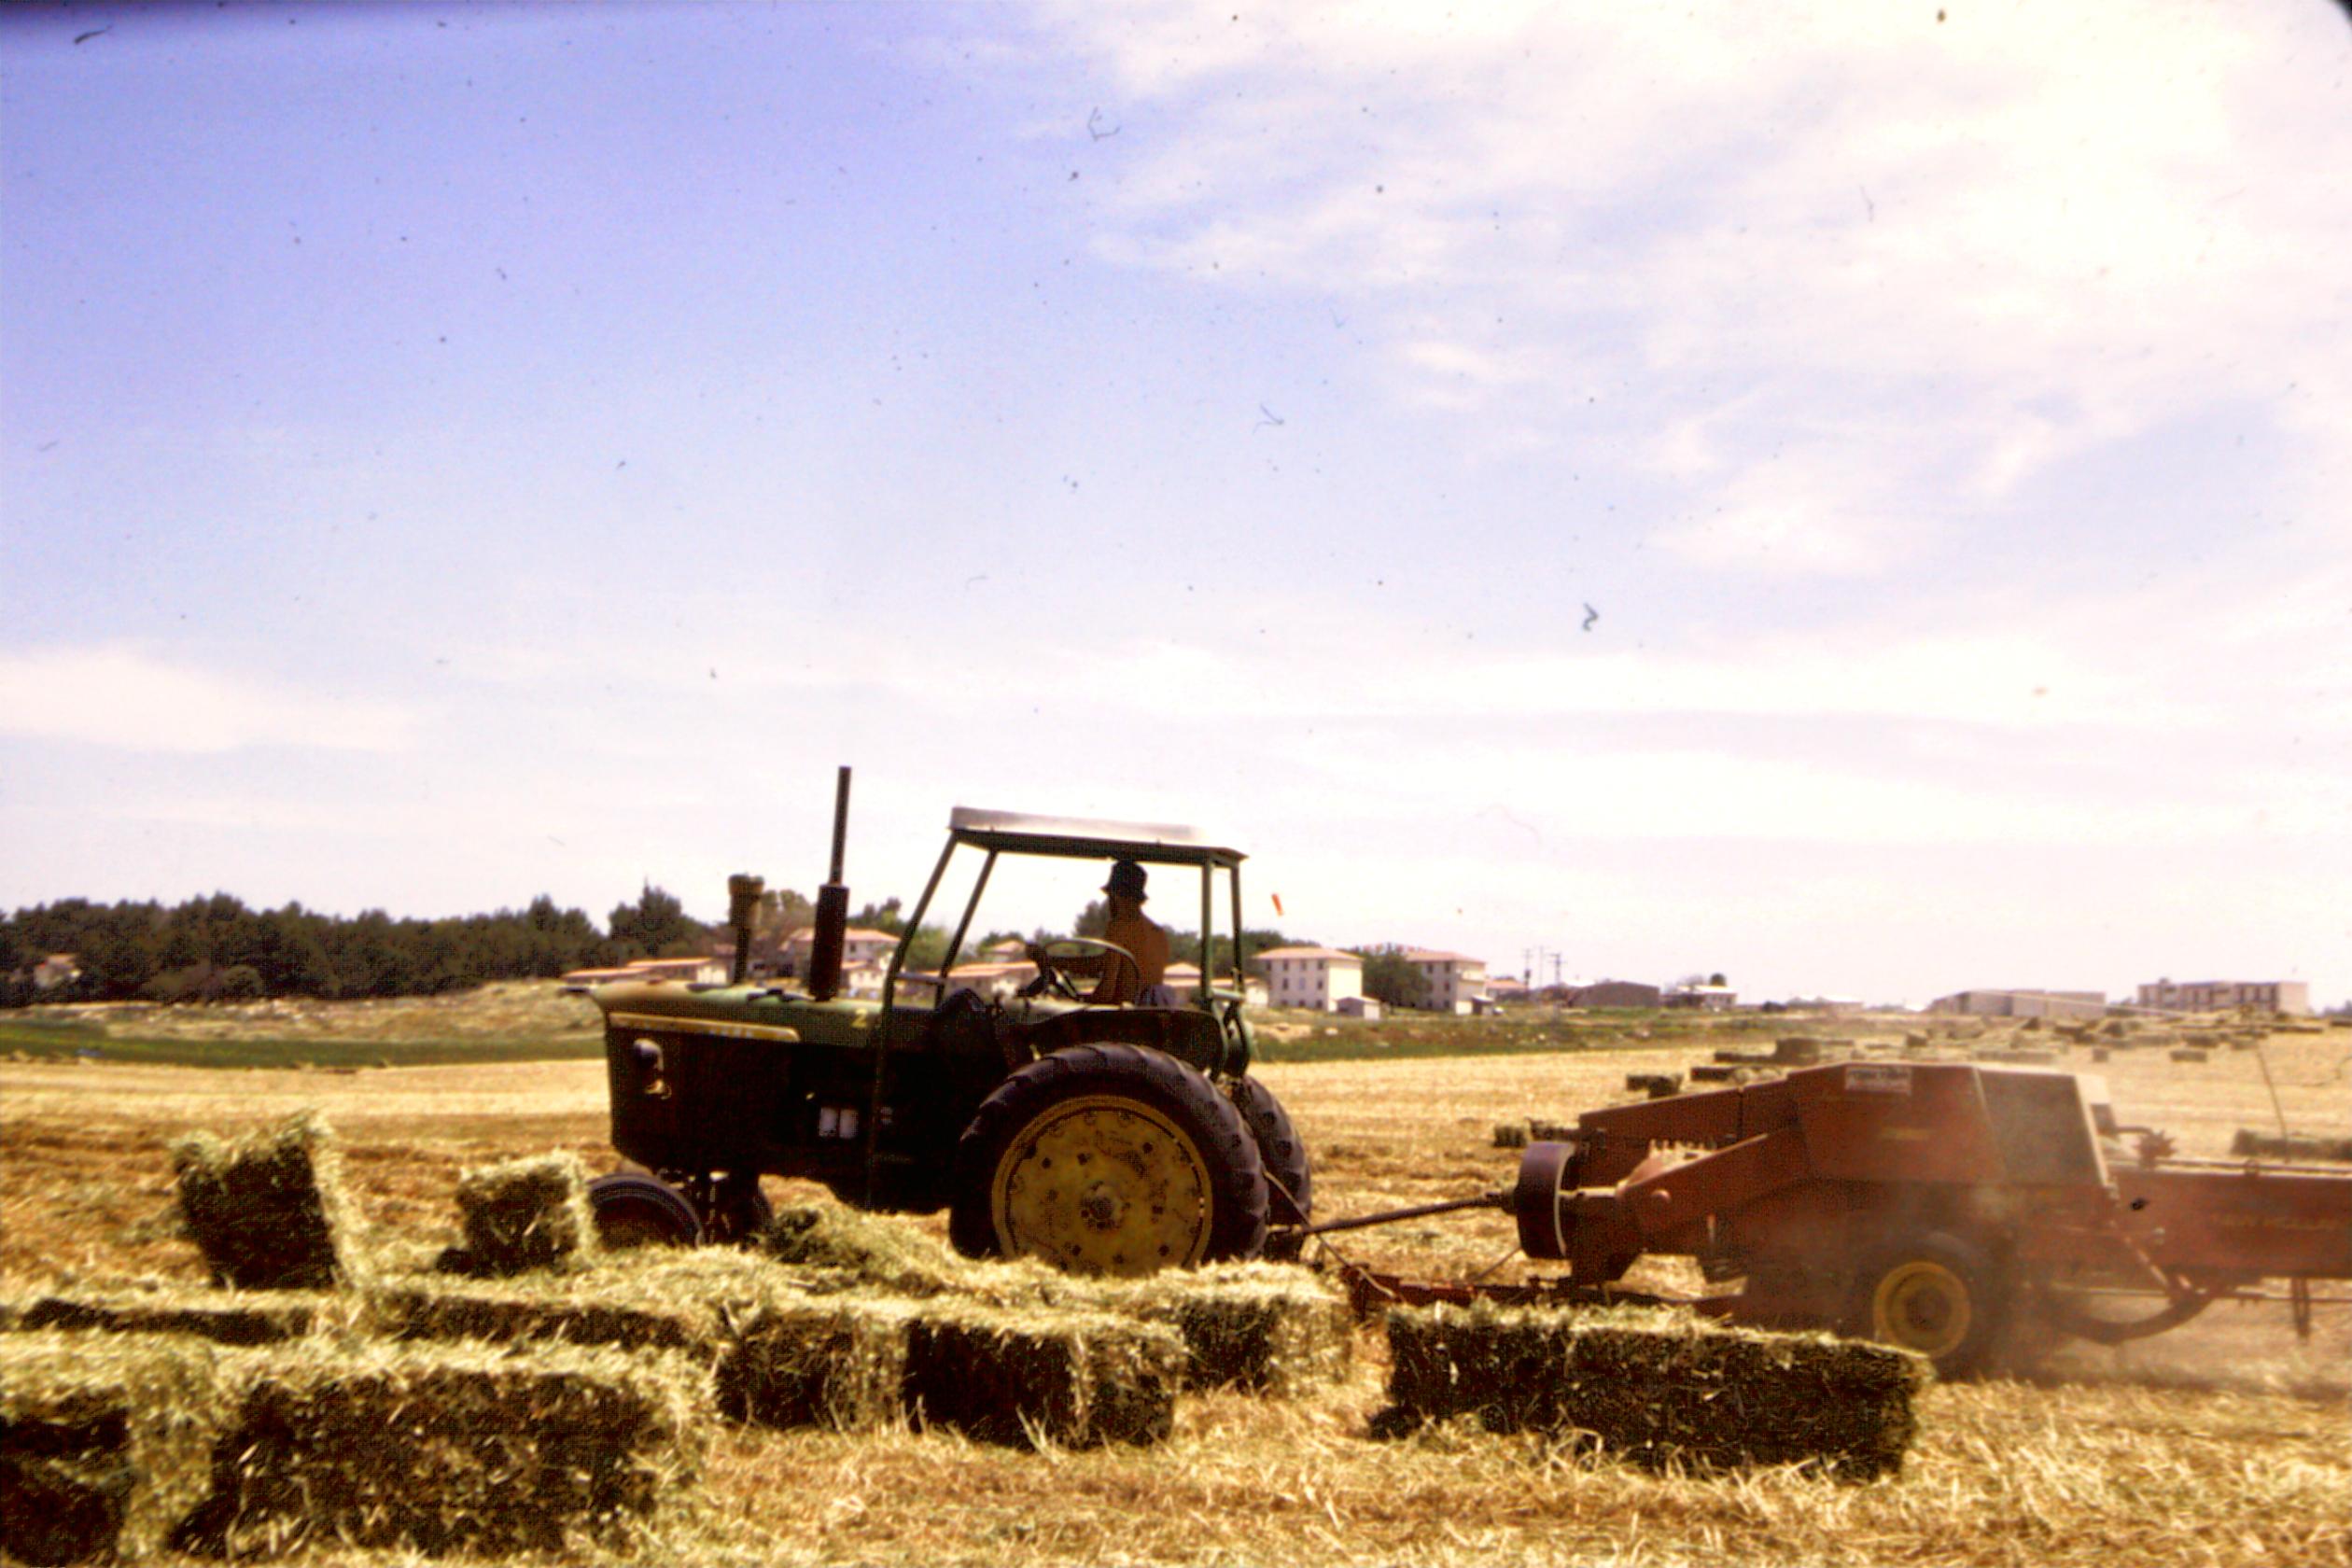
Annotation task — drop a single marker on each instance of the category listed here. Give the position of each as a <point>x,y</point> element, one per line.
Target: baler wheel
<point>1290,1195</point>
<point>1934,1293</point>
<point>1108,1159</point>
<point>635,1209</point>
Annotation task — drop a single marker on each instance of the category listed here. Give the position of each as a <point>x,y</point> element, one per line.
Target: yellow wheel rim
<point>1103,1184</point>
<point>1922,1306</point>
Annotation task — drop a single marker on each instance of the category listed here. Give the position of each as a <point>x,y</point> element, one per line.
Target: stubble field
<point>2228,1442</point>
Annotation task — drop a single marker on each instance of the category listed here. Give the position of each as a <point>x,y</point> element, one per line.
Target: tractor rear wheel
<point>1108,1159</point>
<point>1290,1196</point>
<point>1934,1293</point>
<point>635,1210</point>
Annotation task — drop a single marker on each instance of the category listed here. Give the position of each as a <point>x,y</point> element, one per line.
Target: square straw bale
<point>655,1299</point>
<point>836,1362</point>
<point>881,1252</point>
<point>482,1311</point>
<point>445,1449</point>
<point>1658,1388</point>
<point>1041,1375</point>
<point>104,1443</point>
<point>1264,1327</point>
<point>167,1306</point>
<point>2290,1146</point>
<point>268,1209</point>
<point>527,1213</point>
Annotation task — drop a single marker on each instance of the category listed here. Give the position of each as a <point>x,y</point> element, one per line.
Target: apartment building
<point>2217,995</point>
<point>1314,977</point>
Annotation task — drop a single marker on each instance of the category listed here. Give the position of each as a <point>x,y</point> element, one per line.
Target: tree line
<point>216,948</point>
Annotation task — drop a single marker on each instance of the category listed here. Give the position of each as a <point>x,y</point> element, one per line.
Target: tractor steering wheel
<point>1050,978</point>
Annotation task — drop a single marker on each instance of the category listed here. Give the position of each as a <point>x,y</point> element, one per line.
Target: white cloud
<point>1795,514</point>
<point>122,696</point>
<point>1984,244</point>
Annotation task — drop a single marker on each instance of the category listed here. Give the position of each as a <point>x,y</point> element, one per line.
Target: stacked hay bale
<point>1043,1375</point>
<point>1655,1387</point>
<point>571,1309</point>
<point>1262,1327</point>
<point>527,1214</point>
<point>831,1246</point>
<point>103,1443</point>
<point>268,1210</point>
<point>162,1306</point>
<point>443,1448</point>
<point>1510,1135</point>
<point>806,1361</point>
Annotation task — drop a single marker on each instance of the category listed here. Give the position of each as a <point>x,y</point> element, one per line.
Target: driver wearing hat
<point>1141,982</point>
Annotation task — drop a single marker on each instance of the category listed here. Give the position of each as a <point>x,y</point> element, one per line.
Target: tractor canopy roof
<point>1014,833</point>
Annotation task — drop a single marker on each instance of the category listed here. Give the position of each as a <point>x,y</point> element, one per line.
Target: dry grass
<point>2221,1444</point>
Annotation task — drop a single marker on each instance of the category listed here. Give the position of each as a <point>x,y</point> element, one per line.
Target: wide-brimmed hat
<point>1127,881</point>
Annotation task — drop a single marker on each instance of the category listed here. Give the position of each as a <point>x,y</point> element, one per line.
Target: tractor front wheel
<point>1108,1159</point>
<point>1935,1294</point>
<point>634,1210</point>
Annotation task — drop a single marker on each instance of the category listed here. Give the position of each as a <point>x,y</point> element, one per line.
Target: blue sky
<point>449,453</point>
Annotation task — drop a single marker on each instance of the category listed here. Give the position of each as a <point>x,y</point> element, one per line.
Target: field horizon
<point>2223,1443</point>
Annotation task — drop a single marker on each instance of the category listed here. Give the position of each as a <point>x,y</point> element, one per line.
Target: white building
<point>1184,980</point>
<point>2023,1004</point>
<point>990,981</point>
<point>2220,996</point>
<point>860,946</point>
<point>1457,982</point>
<point>1312,977</point>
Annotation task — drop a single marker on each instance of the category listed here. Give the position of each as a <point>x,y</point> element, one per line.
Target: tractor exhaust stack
<point>744,892</point>
<point>833,907</point>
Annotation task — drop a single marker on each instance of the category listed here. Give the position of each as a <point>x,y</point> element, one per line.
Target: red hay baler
<point>1953,1208</point>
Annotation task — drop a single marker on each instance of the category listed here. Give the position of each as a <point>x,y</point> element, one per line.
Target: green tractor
<point>1103,1139</point>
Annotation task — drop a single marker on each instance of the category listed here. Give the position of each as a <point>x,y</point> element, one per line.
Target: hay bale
<point>102,1445</point>
<point>2248,1143</point>
<point>527,1214</point>
<point>835,1363</point>
<point>1712,1072</point>
<point>443,1448</point>
<point>2189,1054</point>
<point>1510,1135</point>
<point>1025,1378</point>
<point>1657,1388</point>
<point>642,1299</point>
<point>1264,1327</point>
<point>268,1209</point>
<point>1802,1050</point>
<point>160,1306</point>
<point>1551,1132</point>
<point>1657,1085</point>
<point>840,1246</point>
<point>2100,1053</point>
<point>482,1311</point>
